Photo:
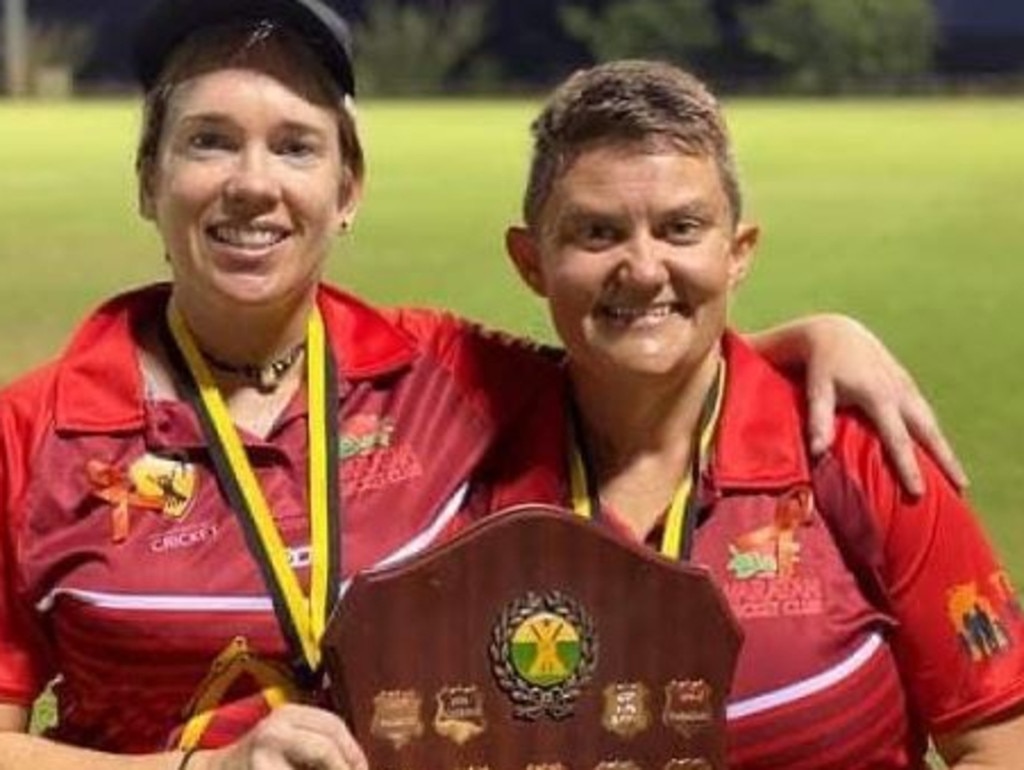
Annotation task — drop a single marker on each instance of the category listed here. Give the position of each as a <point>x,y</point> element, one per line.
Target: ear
<point>146,203</point>
<point>350,197</point>
<point>521,247</point>
<point>741,253</point>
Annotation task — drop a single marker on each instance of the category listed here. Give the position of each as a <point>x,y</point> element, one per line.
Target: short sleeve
<point>960,634</point>
<point>21,663</point>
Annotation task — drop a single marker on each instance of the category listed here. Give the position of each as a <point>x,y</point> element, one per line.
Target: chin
<point>258,291</point>
<point>654,365</point>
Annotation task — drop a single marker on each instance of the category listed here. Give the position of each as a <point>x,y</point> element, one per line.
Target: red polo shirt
<point>133,625</point>
<point>869,619</point>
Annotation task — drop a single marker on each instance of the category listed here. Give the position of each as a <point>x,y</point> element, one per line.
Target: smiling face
<point>636,252</point>
<point>248,185</point>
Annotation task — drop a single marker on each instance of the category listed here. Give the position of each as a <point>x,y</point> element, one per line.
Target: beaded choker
<point>266,376</point>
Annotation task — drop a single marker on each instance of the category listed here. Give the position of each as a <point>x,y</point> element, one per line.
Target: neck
<point>642,438</point>
<point>243,336</point>
<point>625,419</point>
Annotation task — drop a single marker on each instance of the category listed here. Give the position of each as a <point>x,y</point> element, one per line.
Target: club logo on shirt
<point>372,457</point>
<point>979,614</point>
<point>773,551</point>
<point>766,579</point>
<point>163,485</point>
<point>364,434</point>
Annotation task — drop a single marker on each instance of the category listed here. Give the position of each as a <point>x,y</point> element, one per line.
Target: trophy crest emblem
<point>460,713</point>
<point>688,706</point>
<point>396,716</point>
<point>688,764</point>
<point>625,709</point>
<point>543,652</point>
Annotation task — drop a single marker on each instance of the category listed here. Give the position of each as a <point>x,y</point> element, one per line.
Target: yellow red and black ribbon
<point>681,516</point>
<point>302,618</point>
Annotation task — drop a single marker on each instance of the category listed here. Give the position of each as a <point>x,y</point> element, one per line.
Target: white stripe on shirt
<point>261,603</point>
<point>806,687</point>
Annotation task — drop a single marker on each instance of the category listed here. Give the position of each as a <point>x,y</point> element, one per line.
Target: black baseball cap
<point>169,22</point>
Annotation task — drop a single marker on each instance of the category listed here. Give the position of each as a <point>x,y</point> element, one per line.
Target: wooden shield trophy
<point>534,641</point>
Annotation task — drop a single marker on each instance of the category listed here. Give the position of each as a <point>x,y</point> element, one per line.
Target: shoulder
<point>25,403</point>
<point>498,373</point>
<point>95,377</point>
<point>477,352</point>
<point>443,330</point>
<point>760,438</point>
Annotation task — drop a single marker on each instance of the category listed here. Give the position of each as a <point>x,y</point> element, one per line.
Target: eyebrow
<point>224,119</point>
<point>693,207</point>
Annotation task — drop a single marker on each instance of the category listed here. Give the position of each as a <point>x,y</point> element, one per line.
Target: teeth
<point>247,237</point>
<point>634,313</point>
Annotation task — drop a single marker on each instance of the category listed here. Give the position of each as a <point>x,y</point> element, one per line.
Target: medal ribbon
<point>302,618</point>
<point>234,662</point>
<point>681,516</point>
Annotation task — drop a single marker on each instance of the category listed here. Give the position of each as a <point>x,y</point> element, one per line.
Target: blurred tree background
<point>827,46</point>
<point>499,46</point>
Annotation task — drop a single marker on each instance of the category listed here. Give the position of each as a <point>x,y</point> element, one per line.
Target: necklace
<point>266,376</point>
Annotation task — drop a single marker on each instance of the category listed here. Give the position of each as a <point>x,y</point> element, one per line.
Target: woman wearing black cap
<point>182,492</point>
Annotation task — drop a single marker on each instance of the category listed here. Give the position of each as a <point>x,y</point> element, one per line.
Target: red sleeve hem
<point>981,711</point>
<point>16,697</point>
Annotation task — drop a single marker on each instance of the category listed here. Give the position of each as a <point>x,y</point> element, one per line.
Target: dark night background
<point>977,36</point>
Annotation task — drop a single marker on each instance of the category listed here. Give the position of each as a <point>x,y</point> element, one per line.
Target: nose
<point>251,187</point>
<point>643,263</point>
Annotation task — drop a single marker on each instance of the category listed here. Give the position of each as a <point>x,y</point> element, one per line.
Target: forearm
<point>787,345</point>
<point>995,746</point>
<point>19,751</point>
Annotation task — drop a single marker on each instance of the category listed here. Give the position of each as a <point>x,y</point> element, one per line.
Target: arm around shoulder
<point>842,361</point>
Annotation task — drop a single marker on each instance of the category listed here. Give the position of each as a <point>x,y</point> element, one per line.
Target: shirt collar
<point>760,441</point>
<point>99,386</point>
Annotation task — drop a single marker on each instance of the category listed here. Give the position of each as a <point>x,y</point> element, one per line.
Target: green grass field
<point>906,214</point>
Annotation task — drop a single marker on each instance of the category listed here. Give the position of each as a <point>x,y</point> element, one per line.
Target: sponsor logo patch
<point>978,613</point>
<point>1006,594</point>
<point>177,540</point>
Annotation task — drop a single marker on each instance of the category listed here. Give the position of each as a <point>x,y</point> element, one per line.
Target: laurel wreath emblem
<point>532,701</point>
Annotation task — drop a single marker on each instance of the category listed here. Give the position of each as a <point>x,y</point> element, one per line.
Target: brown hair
<point>646,103</point>
<point>226,45</point>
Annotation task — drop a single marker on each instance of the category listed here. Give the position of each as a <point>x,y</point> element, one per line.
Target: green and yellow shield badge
<point>543,652</point>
